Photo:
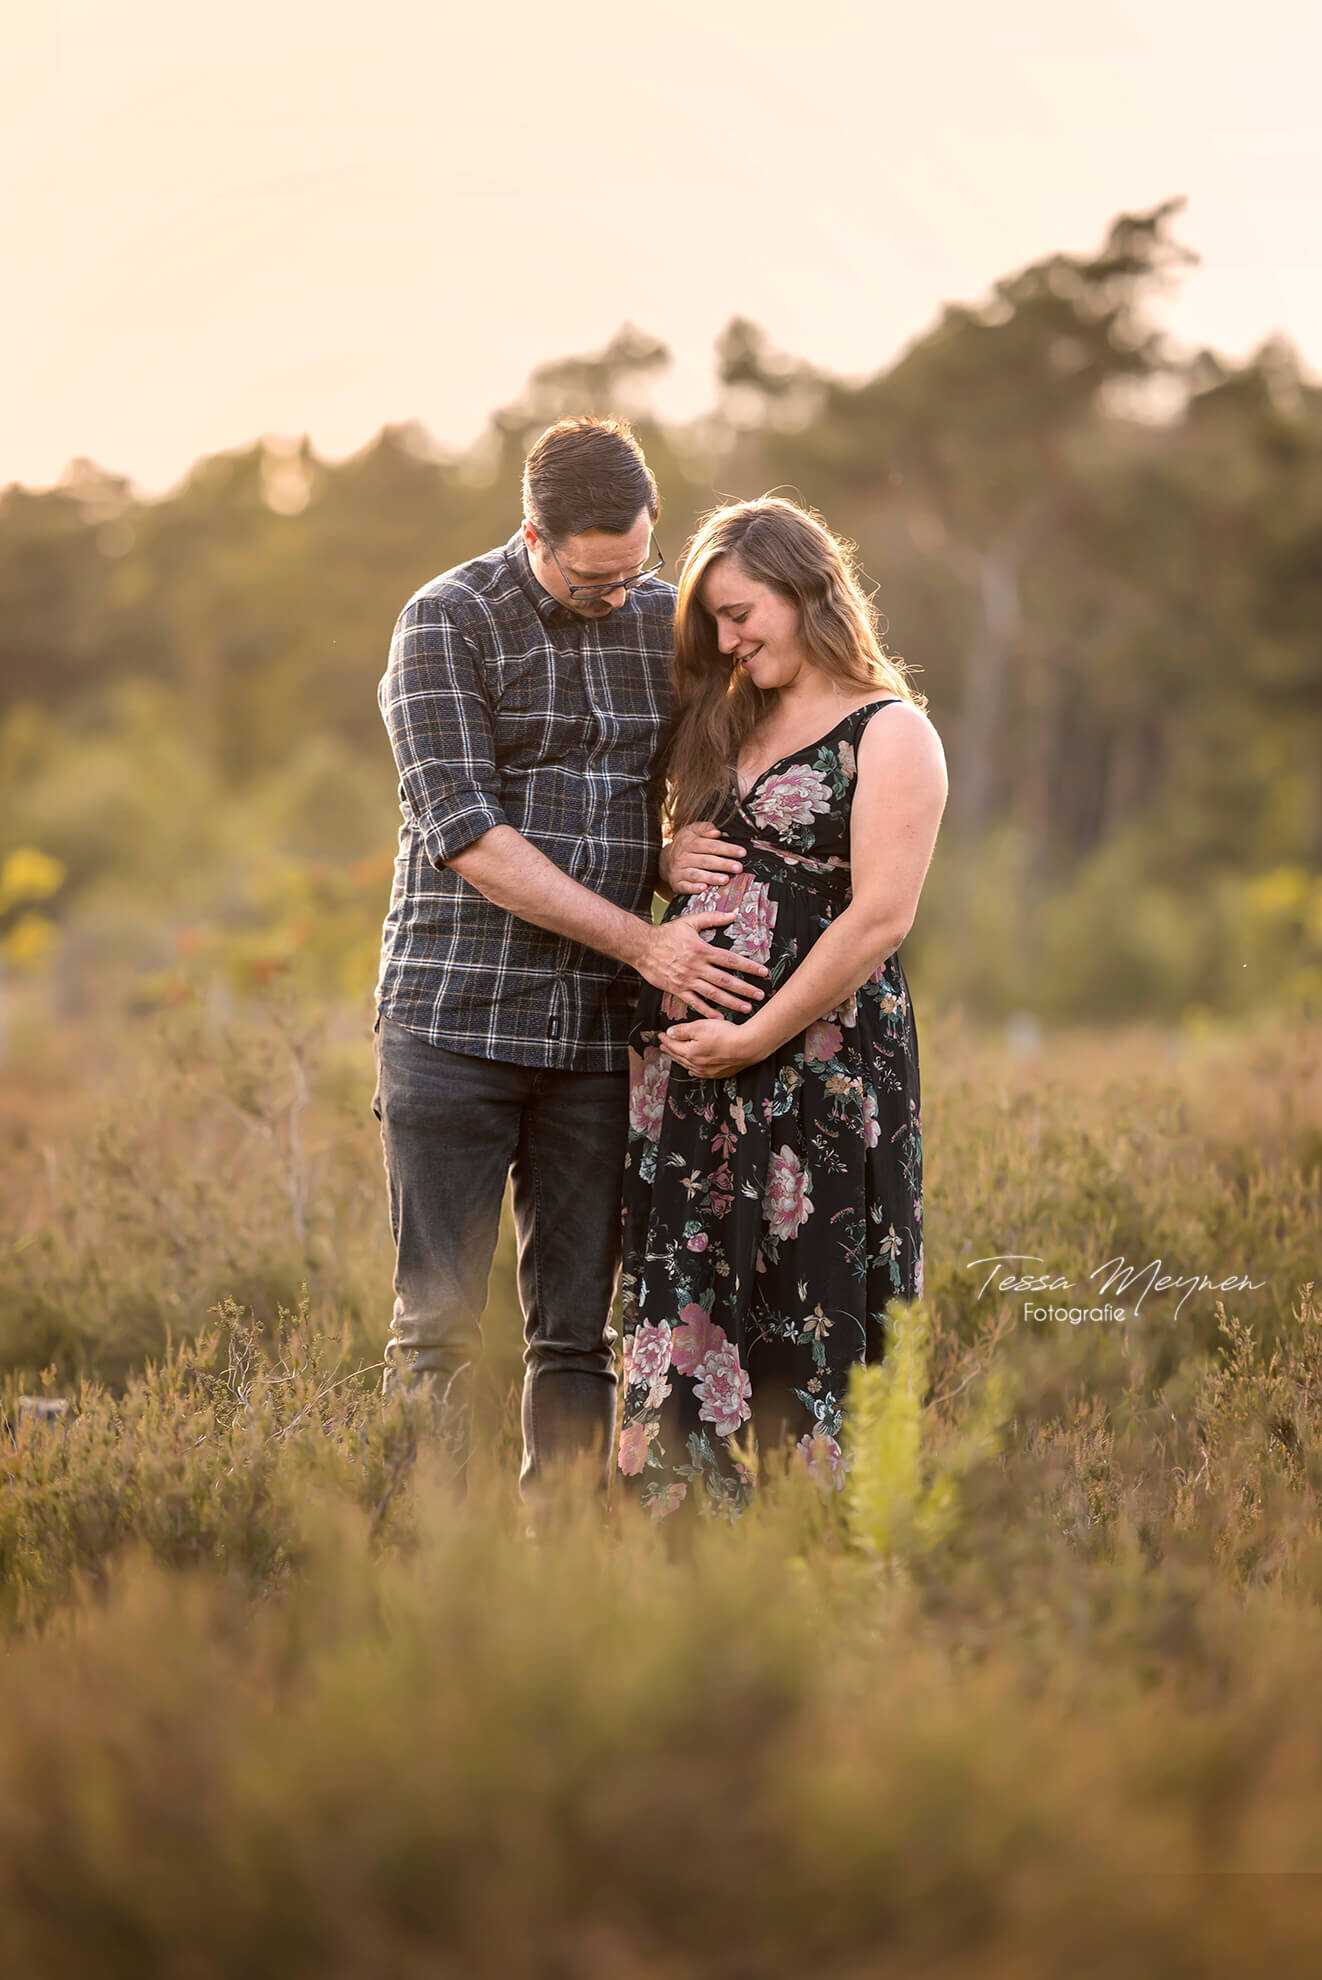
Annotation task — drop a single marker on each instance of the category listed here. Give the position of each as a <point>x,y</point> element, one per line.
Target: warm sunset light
<point>275,222</point>
<point>660,990</point>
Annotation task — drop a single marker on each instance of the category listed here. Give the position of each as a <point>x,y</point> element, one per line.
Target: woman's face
<point>756,628</point>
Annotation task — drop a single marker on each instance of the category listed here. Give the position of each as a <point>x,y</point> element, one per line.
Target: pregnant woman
<point>773,1187</point>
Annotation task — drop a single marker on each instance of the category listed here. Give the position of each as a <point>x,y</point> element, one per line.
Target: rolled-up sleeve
<point>434,703</point>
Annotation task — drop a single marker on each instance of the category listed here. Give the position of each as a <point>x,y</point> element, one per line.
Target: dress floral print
<point>769,1217</point>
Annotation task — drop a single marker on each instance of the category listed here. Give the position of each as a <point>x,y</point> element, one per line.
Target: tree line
<point>1102,558</point>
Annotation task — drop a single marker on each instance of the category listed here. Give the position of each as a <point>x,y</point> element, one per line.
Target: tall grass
<point>1015,1702</point>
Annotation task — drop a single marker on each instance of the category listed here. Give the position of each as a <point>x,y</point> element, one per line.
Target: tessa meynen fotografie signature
<point>1116,1275</point>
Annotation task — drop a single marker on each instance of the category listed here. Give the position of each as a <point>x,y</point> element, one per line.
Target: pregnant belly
<point>782,903</point>
<point>750,934</point>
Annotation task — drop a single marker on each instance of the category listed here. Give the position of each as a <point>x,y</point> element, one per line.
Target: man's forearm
<point>511,873</point>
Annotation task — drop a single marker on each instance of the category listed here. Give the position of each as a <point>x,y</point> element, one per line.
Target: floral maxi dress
<point>768,1217</point>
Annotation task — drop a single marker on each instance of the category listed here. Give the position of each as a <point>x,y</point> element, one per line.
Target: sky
<point>281,218</point>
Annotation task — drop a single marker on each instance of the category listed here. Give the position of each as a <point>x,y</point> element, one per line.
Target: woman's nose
<point>727,638</point>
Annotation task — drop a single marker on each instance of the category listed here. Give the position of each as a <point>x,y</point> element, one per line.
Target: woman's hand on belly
<point>711,1048</point>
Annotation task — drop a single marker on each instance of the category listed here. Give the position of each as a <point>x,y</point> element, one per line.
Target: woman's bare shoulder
<point>902,733</point>
<point>901,719</point>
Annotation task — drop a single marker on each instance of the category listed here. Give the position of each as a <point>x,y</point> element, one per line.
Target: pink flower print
<point>822,1041</point>
<point>667,1497</point>
<point>795,797</point>
<point>918,1275</point>
<point>845,1014</point>
<point>749,934</point>
<point>698,1242</point>
<point>694,1339</point>
<point>871,1125</point>
<point>723,1389</point>
<point>712,900</point>
<point>635,1440</point>
<point>848,761</point>
<point>647,1359</point>
<point>648,1080</point>
<point>786,1203</point>
<point>824,1458</point>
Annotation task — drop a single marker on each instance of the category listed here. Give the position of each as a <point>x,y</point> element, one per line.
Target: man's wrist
<point>636,938</point>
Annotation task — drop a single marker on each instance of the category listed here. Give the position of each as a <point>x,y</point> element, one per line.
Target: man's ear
<point>530,536</point>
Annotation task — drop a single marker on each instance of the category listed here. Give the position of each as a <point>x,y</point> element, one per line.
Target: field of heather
<point>1021,1699</point>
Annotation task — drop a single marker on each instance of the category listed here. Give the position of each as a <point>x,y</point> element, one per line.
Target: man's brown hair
<point>585,474</point>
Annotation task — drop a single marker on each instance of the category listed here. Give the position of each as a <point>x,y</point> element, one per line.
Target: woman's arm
<point>898,801</point>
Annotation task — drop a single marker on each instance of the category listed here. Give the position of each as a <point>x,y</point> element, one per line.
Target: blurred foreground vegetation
<point>1104,558</point>
<point>1014,1703</point>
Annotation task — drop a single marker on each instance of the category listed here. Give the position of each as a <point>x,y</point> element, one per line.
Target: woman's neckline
<point>803,748</point>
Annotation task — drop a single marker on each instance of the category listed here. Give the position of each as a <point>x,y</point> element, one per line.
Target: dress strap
<point>871,707</point>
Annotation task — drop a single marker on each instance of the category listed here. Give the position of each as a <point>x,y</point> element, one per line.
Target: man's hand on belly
<point>513,874</point>
<point>676,959</point>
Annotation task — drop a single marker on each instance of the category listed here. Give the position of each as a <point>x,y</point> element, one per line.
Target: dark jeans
<point>453,1129</point>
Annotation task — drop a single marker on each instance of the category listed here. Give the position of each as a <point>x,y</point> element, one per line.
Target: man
<point>526,698</point>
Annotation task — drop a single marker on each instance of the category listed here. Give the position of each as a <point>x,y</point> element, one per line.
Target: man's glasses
<point>654,562</point>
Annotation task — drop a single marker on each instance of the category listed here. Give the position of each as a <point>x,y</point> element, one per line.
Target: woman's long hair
<point>717,706</point>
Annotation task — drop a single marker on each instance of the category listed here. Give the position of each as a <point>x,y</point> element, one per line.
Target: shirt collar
<point>549,610</point>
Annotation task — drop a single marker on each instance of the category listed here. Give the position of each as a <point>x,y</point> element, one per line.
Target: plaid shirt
<point>505,708</point>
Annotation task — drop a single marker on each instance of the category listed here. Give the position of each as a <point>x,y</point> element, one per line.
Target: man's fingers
<point>694,999</point>
<point>733,999</point>
<point>714,980</point>
<point>713,918</point>
<point>743,964</point>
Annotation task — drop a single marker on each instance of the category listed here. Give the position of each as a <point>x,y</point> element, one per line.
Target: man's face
<point>596,556</point>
